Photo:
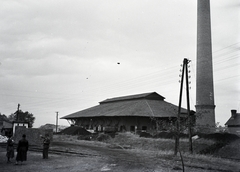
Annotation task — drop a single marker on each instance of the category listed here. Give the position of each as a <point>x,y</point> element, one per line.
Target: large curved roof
<point>145,105</point>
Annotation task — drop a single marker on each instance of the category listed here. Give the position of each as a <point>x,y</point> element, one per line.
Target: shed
<point>145,112</point>
<point>233,124</point>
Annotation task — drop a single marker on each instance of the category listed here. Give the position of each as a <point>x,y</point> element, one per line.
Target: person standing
<point>22,149</point>
<point>46,144</point>
<point>10,149</point>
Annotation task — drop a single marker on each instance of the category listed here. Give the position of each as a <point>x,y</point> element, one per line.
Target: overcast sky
<point>63,56</point>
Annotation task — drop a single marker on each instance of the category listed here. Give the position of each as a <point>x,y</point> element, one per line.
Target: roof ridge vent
<point>151,96</point>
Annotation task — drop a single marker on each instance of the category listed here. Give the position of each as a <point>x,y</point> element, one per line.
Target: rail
<point>52,150</point>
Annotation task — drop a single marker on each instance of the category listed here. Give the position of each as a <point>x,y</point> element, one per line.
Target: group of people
<point>22,149</point>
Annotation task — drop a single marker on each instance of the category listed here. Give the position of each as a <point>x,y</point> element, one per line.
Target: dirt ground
<point>74,163</point>
<point>100,158</point>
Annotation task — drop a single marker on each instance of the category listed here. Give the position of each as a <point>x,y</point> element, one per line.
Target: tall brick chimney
<point>205,107</point>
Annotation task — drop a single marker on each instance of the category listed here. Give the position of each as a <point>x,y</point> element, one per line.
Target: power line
<point>226,47</point>
<point>163,77</point>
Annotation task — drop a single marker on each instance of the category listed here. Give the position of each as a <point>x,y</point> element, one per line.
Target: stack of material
<point>75,130</point>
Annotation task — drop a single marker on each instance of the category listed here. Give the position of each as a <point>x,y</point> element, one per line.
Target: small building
<point>233,124</point>
<point>22,124</point>
<point>142,112</point>
<point>6,128</point>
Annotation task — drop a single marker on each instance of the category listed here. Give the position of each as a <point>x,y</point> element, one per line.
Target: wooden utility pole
<point>185,67</point>
<point>188,109</point>
<point>178,115</point>
<point>18,112</point>
<point>56,121</point>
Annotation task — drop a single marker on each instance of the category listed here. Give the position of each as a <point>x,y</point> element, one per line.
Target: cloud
<point>53,46</point>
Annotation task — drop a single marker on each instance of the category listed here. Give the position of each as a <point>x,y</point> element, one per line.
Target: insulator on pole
<point>180,75</point>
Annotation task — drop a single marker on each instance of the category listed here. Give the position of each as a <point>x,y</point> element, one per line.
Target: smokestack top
<point>234,113</point>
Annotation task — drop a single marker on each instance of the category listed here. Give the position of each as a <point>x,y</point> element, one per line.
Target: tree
<point>22,117</point>
<point>3,117</point>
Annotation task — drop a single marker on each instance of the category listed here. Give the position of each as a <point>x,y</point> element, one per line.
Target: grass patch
<point>134,141</point>
<point>209,144</point>
<point>162,148</point>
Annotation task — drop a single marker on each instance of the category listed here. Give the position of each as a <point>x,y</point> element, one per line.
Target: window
<point>122,128</point>
<point>144,128</point>
<point>132,128</point>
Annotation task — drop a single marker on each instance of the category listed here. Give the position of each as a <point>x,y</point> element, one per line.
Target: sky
<point>65,56</point>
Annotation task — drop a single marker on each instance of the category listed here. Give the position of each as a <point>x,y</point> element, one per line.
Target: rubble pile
<point>75,130</point>
<point>3,139</point>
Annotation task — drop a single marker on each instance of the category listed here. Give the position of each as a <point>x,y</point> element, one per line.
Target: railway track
<point>59,151</point>
<point>116,156</point>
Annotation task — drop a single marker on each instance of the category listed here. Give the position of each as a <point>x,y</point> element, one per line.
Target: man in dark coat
<point>22,149</point>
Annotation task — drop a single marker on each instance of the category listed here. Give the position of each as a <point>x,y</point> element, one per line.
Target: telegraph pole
<point>18,112</point>
<point>56,121</point>
<point>179,111</point>
<point>188,109</point>
<point>185,67</point>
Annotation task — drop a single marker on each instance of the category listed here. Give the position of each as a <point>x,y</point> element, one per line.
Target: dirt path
<point>101,158</point>
<point>130,160</point>
<point>125,160</point>
<point>96,159</point>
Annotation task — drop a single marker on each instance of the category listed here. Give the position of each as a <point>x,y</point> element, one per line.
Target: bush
<point>169,135</point>
<point>221,140</point>
<point>145,134</point>
<point>165,135</point>
<point>81,137</point>
<point>220,137</point>
<point>103,137</point>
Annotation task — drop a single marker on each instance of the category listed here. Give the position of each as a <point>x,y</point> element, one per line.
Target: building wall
<point>234,130</point>
<point>124,123</point>
<point>19,124</point>
<point>6,128</point>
